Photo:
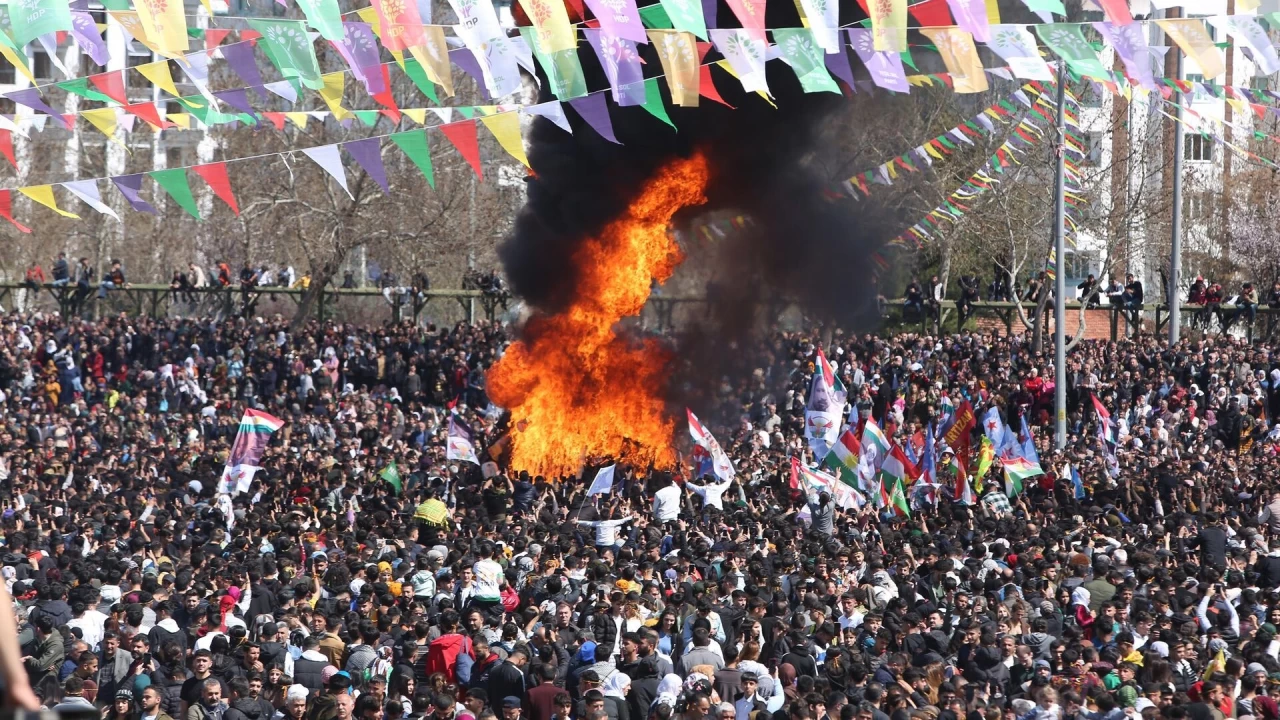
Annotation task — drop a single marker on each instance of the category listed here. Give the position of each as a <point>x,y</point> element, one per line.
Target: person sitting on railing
<point>969,285</point>
<point>61,271</point>
<point>1131,299</point>
<point>1273,298</point>
<point>1196,296</point>
<point>913,300</point>
<point>1246,306</point>
<point>115,279</point>
<point>1213,297</point>
<point>1088,290</point>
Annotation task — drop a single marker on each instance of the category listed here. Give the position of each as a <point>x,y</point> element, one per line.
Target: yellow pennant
<point>133,25</point>
<point>888,25</point>
<point>165,25</point>
<point>182,120</point>
<point>159,75</point>
<point>551,22</point>
<point>432,54</point>
<point>18,61</point>
<point>1237,105</point>
<point>370,15</point>
<point>298,118</point>
<point>678,53</point>
<point>331,93</point>
<point>105,120</point>
<point>418,115</point>
<point>928,147</point>
<point>1247,5</point>
<point>1191,35</point>
<point>43,194</point>
<point>961,58</point>
<point>506,128</point>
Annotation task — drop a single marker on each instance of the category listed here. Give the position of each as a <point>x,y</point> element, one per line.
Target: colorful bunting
<point>686,15</point>
<point>329,158</point>
<point>745,55</point>
<point>6,211</point>
<point>620,18</point>
<point>678,53</point>
<point>174,182</point>
<point>215,176</point>
<point>653,101</point>
<point>414,145</point>
<point>165,24</point>
<point>87,191</point>
<point>594,111</point>
<point>802,52</point>
<point>961,58</point>
<point>368,155</point>
<point>463,136</point>
<point>506,128</point>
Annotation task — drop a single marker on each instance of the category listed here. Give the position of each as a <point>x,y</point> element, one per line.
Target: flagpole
<point>1060,280</point>
<point>1175,251</point>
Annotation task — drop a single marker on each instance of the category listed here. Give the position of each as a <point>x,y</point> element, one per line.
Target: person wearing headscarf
<point>616,687</point>
<point>1080,606</point>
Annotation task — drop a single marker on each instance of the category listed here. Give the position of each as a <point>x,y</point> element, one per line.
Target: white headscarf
<point>616,685</point>
<point>1080,596</point>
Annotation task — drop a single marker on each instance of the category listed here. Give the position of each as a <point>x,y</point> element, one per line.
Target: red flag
<point>276,118</point>
<point>795,469</point>
<point>250,35</point>
<point>931,13</point>
<point>148,112</point>
<point>111,84</point>
<point>463,136</point>
<point>1117,11</point>
<point>6,210</point>
<point>707,87</point>
<point>385,99</point>
<point>6,147</point>
<point>213,37</point>
<point>215,174</point>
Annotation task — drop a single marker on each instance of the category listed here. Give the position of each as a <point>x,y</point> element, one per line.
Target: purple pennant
<point>239,56</point>
<point>595,110</point>
<point>1130,43</point>
<point>621,65</point>
<point>359,50</point>
<point>838,64</point>
<point>236,98</point>
<point>130,186</point>
<point>463,58</point>
<point>885,67</point>
<point>368,153</point>
<point>709,13</point>
<point>31,98</point>
<point>971,16</point>
<point>619,18</point>
<point>86,34</point>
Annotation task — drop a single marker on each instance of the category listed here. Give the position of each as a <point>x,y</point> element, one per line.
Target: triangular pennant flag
<point>6,147</point>
<point>418,115</point>
<point>416,72</point>
<point>284,89</point>
<point>43,194</point>
<point>329,158</point>
<point>159,75</point>
<point>130,186</point>
<point>385,98</point>
<point>148,112</point>
<point>551,110</point>
<point>174,182</point>
<point>414,145</point>
<point>298,118</point>
<point>213,37</point>
<point>6,210</point>
<point>653,101</point>
<point>506,128</point>
<point>595,112</point>
<point>112,85</point>
<point>215,175</point>
<point>707,88</point>
<point>368,155</point>
<point>331,93</point>
<point>87,191</point>
<point>463,136</point>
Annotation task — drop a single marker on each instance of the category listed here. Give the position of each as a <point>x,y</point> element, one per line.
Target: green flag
<point>368,117</point>
<point>414,144</point>
<point>805,56</point>
<point>80,86</point>
<point>391,474</point>
<point>653,101</point>
<point>324,16</point>
<point>174,182</point>
<point>289,48</point>
<point>655,17</point>
<point>685,15</point>
<point>418,75</point>
<point>563,69</point>
<point>33,18</point>
<point>1068,42</point>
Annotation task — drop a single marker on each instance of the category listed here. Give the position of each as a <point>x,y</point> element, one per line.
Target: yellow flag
<point>105,120</point>
<point>418,115</point>
<point>182,120</point>
<point>993,12</point>
<point>331,93</point>
<point>888,25</point>
<point>961,58</point>
<point>551,22</point>
<point>678,52</point>
<point>432,54</point>
<point>506,128</point>
<point>1237,105</point>
<point>298,118</point>
<point>1247,5</point>
<point>928,147</point>
<point>43,194</point>
<point>18,61</point>
<point>165,25</point>
<point>370,15</point>
<point>1191,35</point>
<point>159,75</point>
<point>132,24</point>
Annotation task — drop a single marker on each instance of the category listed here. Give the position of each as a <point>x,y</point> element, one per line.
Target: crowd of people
<point>364,573</point>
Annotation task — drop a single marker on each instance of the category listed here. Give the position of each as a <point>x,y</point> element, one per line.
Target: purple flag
<point>85,31</point>
<point>619,18</point>
<point>838,64</point>
<point>360,51</point>
<point>368,153</point>
<point>885,67</point>
<point>971,16</point>
<point>237,99</point>
<point>130,186</point>
<point>595,110</point>
<point>1130,43</point>
<point>31,98</point>
<point>709,13</point>
<point>463,58</point>
<point>239,56</point>
<point>621,65</point>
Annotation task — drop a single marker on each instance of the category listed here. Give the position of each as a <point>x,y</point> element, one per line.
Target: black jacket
<point>504,680</point>
<point>308,673</point>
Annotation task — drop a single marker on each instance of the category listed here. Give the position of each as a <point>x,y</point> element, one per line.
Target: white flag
<point>603,483</point>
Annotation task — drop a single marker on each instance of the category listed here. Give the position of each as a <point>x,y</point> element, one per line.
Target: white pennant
<point>551,111</point>
<point>283,89</point>
<point>87,190</point>
<point>329,157</point>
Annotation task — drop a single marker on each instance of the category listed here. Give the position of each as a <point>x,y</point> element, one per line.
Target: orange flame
<point>577,389</point>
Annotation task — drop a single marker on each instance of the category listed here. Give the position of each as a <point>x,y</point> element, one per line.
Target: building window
<point>1260,82</point>
<point>1198,95</point>
<point>1198,147</point>
<point>1093,148</point>
<point>174,157</point>
<point>135,79</point>
<point>8,74</point>
<point>41,65</point>
<point>1197,207</point>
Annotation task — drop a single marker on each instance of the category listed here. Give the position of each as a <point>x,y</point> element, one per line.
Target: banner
<point>745,55</point>
<point>1130,43</point>
<point>824,20</point>
<point>480,31</point>
<point>619,18</point>
<point>251,440</point>
<point>621,64</point>
<point>32,18</point>
<point>165,24</point>
<point>885,67</point>
<point>1191,35</point>
<point>802,52</point>
<point>1247,32</point>
<point>1015,45</point>
<point>708,458</point>
<point>889,25</point>
<point>678,53</point>
<point>961,58</point>
<point>461,441</point>
<point>1068,42</point>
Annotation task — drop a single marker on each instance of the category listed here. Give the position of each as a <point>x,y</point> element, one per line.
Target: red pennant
<point>703,49</point>
<point>6,147</point>
<point>70,120</point>
<point>1259,110</point>
<point>463,136</point>
<point>111,84</point>
<point>150,113</point>
<point>61,35</point>
<point>385,98</point>
<point>931,13</point>
<point>213,37</point>
<point>1117,11</point>
<point>215,174</point>
<point>276,118</point>
<point>250,35</point>
<point>6,210</point>
<point>576,13</point>
<point>707,88</point>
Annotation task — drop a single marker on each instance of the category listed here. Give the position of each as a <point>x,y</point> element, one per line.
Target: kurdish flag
<point>251,439</point>
<point>986,454</point>
<point>842,460</point>
<point>1016,470</point>
<point>873,438</point>
<point>816,481</point>
<point>896,468</point>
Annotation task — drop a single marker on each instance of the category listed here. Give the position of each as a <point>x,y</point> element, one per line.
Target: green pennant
<point>801,51</point>
<point>116,4</point>
<point>368,117</point>
<point>414,145</point>
<point>32,18</point>
<point>564,72</point>
<point>290,49</point>
<point>466,111</point>
<point>80,86</point>
<point>174,182</point>
<point>653,101</point>
<point>946,143</point>
<point>686,15</point>
<point>655,17</point>
<point>415,72</point>
<point>325,17</point>
<point>908,60</point>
